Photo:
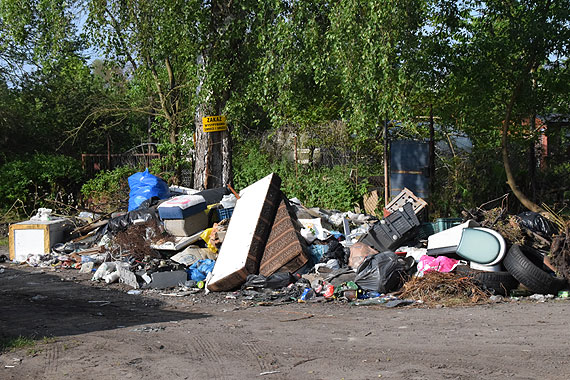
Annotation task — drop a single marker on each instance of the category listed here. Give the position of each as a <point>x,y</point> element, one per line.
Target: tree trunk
<point>212,155</point>
<point>526,202</point>
<point>212,150</point>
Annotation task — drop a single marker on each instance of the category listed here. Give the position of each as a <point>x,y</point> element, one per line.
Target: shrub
<point>39,179</point>
<point>315,186</point>
<point>109,190</point>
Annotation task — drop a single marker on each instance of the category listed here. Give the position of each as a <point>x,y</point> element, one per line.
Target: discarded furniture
<point>477,244</point>
<point>247,234</point>
<point>184,215</point>
<point>35,237</point>
<point>286,250</point>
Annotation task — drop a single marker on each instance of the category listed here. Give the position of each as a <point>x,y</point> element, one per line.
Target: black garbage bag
<point>275,281</point>
<point>214,195</point>
<point>537,223</point>
<point>383,272</point>
<point>335,251</point>
<point>122,222</point>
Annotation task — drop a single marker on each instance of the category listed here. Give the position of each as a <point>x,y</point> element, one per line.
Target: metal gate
<point>409,167</point>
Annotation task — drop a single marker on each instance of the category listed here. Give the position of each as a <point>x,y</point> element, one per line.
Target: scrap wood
<point>91,226</point>
<point>506,225</point>
<point>437,287</point>
<point>560,251</point>
<point>233,191</point>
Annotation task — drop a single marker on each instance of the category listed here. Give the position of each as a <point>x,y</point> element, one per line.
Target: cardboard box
<point>35,237</point>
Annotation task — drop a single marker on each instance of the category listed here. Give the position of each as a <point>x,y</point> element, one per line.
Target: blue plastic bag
<point>144,186</point>
<point>200,269</point>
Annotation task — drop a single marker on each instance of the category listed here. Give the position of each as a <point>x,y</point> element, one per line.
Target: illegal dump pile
<point>261,246</point>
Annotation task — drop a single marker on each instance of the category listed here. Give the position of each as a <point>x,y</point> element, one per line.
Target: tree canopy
<point>75,75</point>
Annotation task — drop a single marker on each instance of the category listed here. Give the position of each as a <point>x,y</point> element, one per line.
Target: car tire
<point>526,265</point>
<point>499,283</point>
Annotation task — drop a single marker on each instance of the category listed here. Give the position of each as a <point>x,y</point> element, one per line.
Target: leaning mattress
<point>247,234</point>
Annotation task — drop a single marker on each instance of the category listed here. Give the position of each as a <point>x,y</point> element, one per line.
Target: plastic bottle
<point>111,277</point>
<point>308,293</point>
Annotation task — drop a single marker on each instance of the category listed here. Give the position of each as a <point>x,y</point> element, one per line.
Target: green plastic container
<point>425,230</point>
<point>442,224</point>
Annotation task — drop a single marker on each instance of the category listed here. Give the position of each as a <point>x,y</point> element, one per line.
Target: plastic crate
<point>425,230</point>
<point>225,213</point>
<point>395,229</point>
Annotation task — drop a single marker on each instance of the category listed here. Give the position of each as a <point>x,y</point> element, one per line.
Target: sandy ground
<point>100,332</point>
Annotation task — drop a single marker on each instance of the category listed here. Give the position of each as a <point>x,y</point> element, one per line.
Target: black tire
<point>525,264</point>
<point>500,283</point>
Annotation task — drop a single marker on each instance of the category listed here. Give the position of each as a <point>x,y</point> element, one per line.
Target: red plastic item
<point>329,292</point>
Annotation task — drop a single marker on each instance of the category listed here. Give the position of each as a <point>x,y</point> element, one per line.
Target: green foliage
<point>277,64</point>
<point>251,164</point>
<point>466,181</point>
<point>340,187</point>
<point>554,186</point>
<point>330,188</point>
<point>109,189</point>
<point>38,179</point>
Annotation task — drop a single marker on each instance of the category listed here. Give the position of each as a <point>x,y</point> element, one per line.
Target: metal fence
<point>139,156</point>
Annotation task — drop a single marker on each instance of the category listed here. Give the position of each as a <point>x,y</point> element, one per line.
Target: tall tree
<point>195,56</point>
<point>374,44</point>
<point>509,51</point>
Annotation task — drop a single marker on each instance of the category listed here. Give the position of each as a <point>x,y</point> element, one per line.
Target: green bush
<point>37,179</point>
<point>314,186</point>
<point>109,190</point>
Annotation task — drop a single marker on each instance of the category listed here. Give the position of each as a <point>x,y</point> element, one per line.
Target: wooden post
<point>108,153</point>
<point>296,159</point>
<point>431,155</point>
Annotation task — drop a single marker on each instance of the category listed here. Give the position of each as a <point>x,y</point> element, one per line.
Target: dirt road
<point>100,332</point>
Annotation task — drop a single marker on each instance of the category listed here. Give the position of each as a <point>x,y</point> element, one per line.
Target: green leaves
<point>39,178</point>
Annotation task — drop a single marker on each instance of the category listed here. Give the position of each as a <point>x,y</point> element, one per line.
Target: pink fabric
<point>439,264</point>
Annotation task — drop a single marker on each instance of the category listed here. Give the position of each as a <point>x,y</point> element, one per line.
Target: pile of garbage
<point>263,246</point>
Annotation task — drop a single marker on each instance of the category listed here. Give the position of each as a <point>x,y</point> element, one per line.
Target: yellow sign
<point>214,124</point>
